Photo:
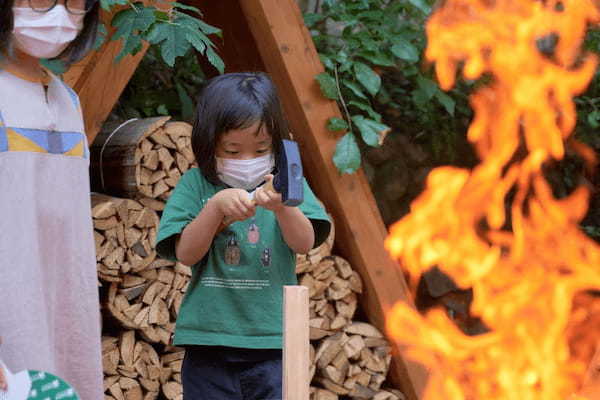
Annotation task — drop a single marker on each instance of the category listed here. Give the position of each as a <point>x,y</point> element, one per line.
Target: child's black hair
<point>76,49</point>
<point>235,101</point>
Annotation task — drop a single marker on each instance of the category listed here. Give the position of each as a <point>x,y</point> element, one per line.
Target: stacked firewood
<point>349,359</point>
<point>142,293</point>
<point>141,162</point>
<point>150,302</point>
<point>132,368</point>
<point>124,233</point>
<point>141,159</point>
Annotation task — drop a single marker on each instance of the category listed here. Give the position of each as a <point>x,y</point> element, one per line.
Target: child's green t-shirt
<point>235,294</point>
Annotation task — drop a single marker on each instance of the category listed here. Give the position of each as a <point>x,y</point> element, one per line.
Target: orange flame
<point>525,277</point>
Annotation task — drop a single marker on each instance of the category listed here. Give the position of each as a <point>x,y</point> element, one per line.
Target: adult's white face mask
<point>244,174</point>
<point>45,35</point>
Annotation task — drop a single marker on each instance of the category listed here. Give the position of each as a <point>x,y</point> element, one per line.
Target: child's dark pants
<point>222,373</point>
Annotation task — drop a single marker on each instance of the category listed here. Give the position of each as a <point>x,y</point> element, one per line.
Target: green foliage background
<point>371,50</point>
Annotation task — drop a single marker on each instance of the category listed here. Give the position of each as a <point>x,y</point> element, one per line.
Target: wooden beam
<point>99,80</point>
<point>291,59</point>
<point>296,342</point>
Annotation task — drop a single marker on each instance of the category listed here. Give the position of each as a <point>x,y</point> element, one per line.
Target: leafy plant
<point>158,89</point>
<point>175,31</point>
<point>361,43</point>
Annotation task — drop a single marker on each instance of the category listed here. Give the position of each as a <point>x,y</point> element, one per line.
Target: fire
<point>498,228</point>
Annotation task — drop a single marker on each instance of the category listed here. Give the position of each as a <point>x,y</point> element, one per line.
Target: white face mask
<point>45,35</point>
<point>244,174</point>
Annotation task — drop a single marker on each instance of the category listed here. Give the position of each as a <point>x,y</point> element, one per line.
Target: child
<point>49,313</point>
<point>230,321</point>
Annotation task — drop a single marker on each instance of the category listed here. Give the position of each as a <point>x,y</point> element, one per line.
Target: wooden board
<point>296,350</point>
<point>99,80</point>
<point>289,55</point>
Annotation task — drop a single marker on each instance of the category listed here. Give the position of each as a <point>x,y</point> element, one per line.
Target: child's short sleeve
<point>313,209</point>
<point>183,206</point>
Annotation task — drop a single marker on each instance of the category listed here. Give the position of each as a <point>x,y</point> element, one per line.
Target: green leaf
<point>209,29</point>
<point>420,98</point>
<point>593,119</point>
<point>429,87</point>
<point>311,19</point>
<point>107,4</point>
<point>133,20</point>
<point>187,105</point>
<point>377,58</point>
<point>347,154</point>
<point>336,124</point>
<point>372,132</point>
<point>447,101</point>
<point>193,34</point>
<point>421,5</point>
<point>195,25</point>
<point>57,67</point>
<point>186,7</point>
<point>198,42</point>
<point>367,77</point>
<point>375,16</point>
<point>366,108</point>
<point>100,37</point>
<point>215,60</point>
<point>328,86</point>
<point>162,110</point>
<point>405,51</point>
<point>327,62</point>
<point>195,30</point>
<point>162,16</point>
<point>354,88</point>
<point>130,23</point>
<point>172,40</point>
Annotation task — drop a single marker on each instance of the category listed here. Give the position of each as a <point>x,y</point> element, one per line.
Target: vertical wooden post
<point>296,349</point>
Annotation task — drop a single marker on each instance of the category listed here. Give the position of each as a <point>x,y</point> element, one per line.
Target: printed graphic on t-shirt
<point>253,233</point>
<point>265,258</point>
<point>252,284</point>
<point>232,250</point>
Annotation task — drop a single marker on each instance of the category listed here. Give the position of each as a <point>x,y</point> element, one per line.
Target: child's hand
<point>234,204</point>
<point>268,199</point>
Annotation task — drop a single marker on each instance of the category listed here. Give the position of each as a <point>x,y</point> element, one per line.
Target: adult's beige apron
<point>49,314</point>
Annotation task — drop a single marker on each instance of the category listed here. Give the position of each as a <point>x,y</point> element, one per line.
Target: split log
<point>143,159</point>
<point>170,376</point>
<point>131,368</point>
<point>304,262</point>
<point>333,287</point>
<point>317,393</point>
<point>124,233</point>
<point>150,302</point>
<point>353,362</point>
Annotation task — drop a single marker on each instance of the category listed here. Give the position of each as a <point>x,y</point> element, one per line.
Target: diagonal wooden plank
<point>291,58</point>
